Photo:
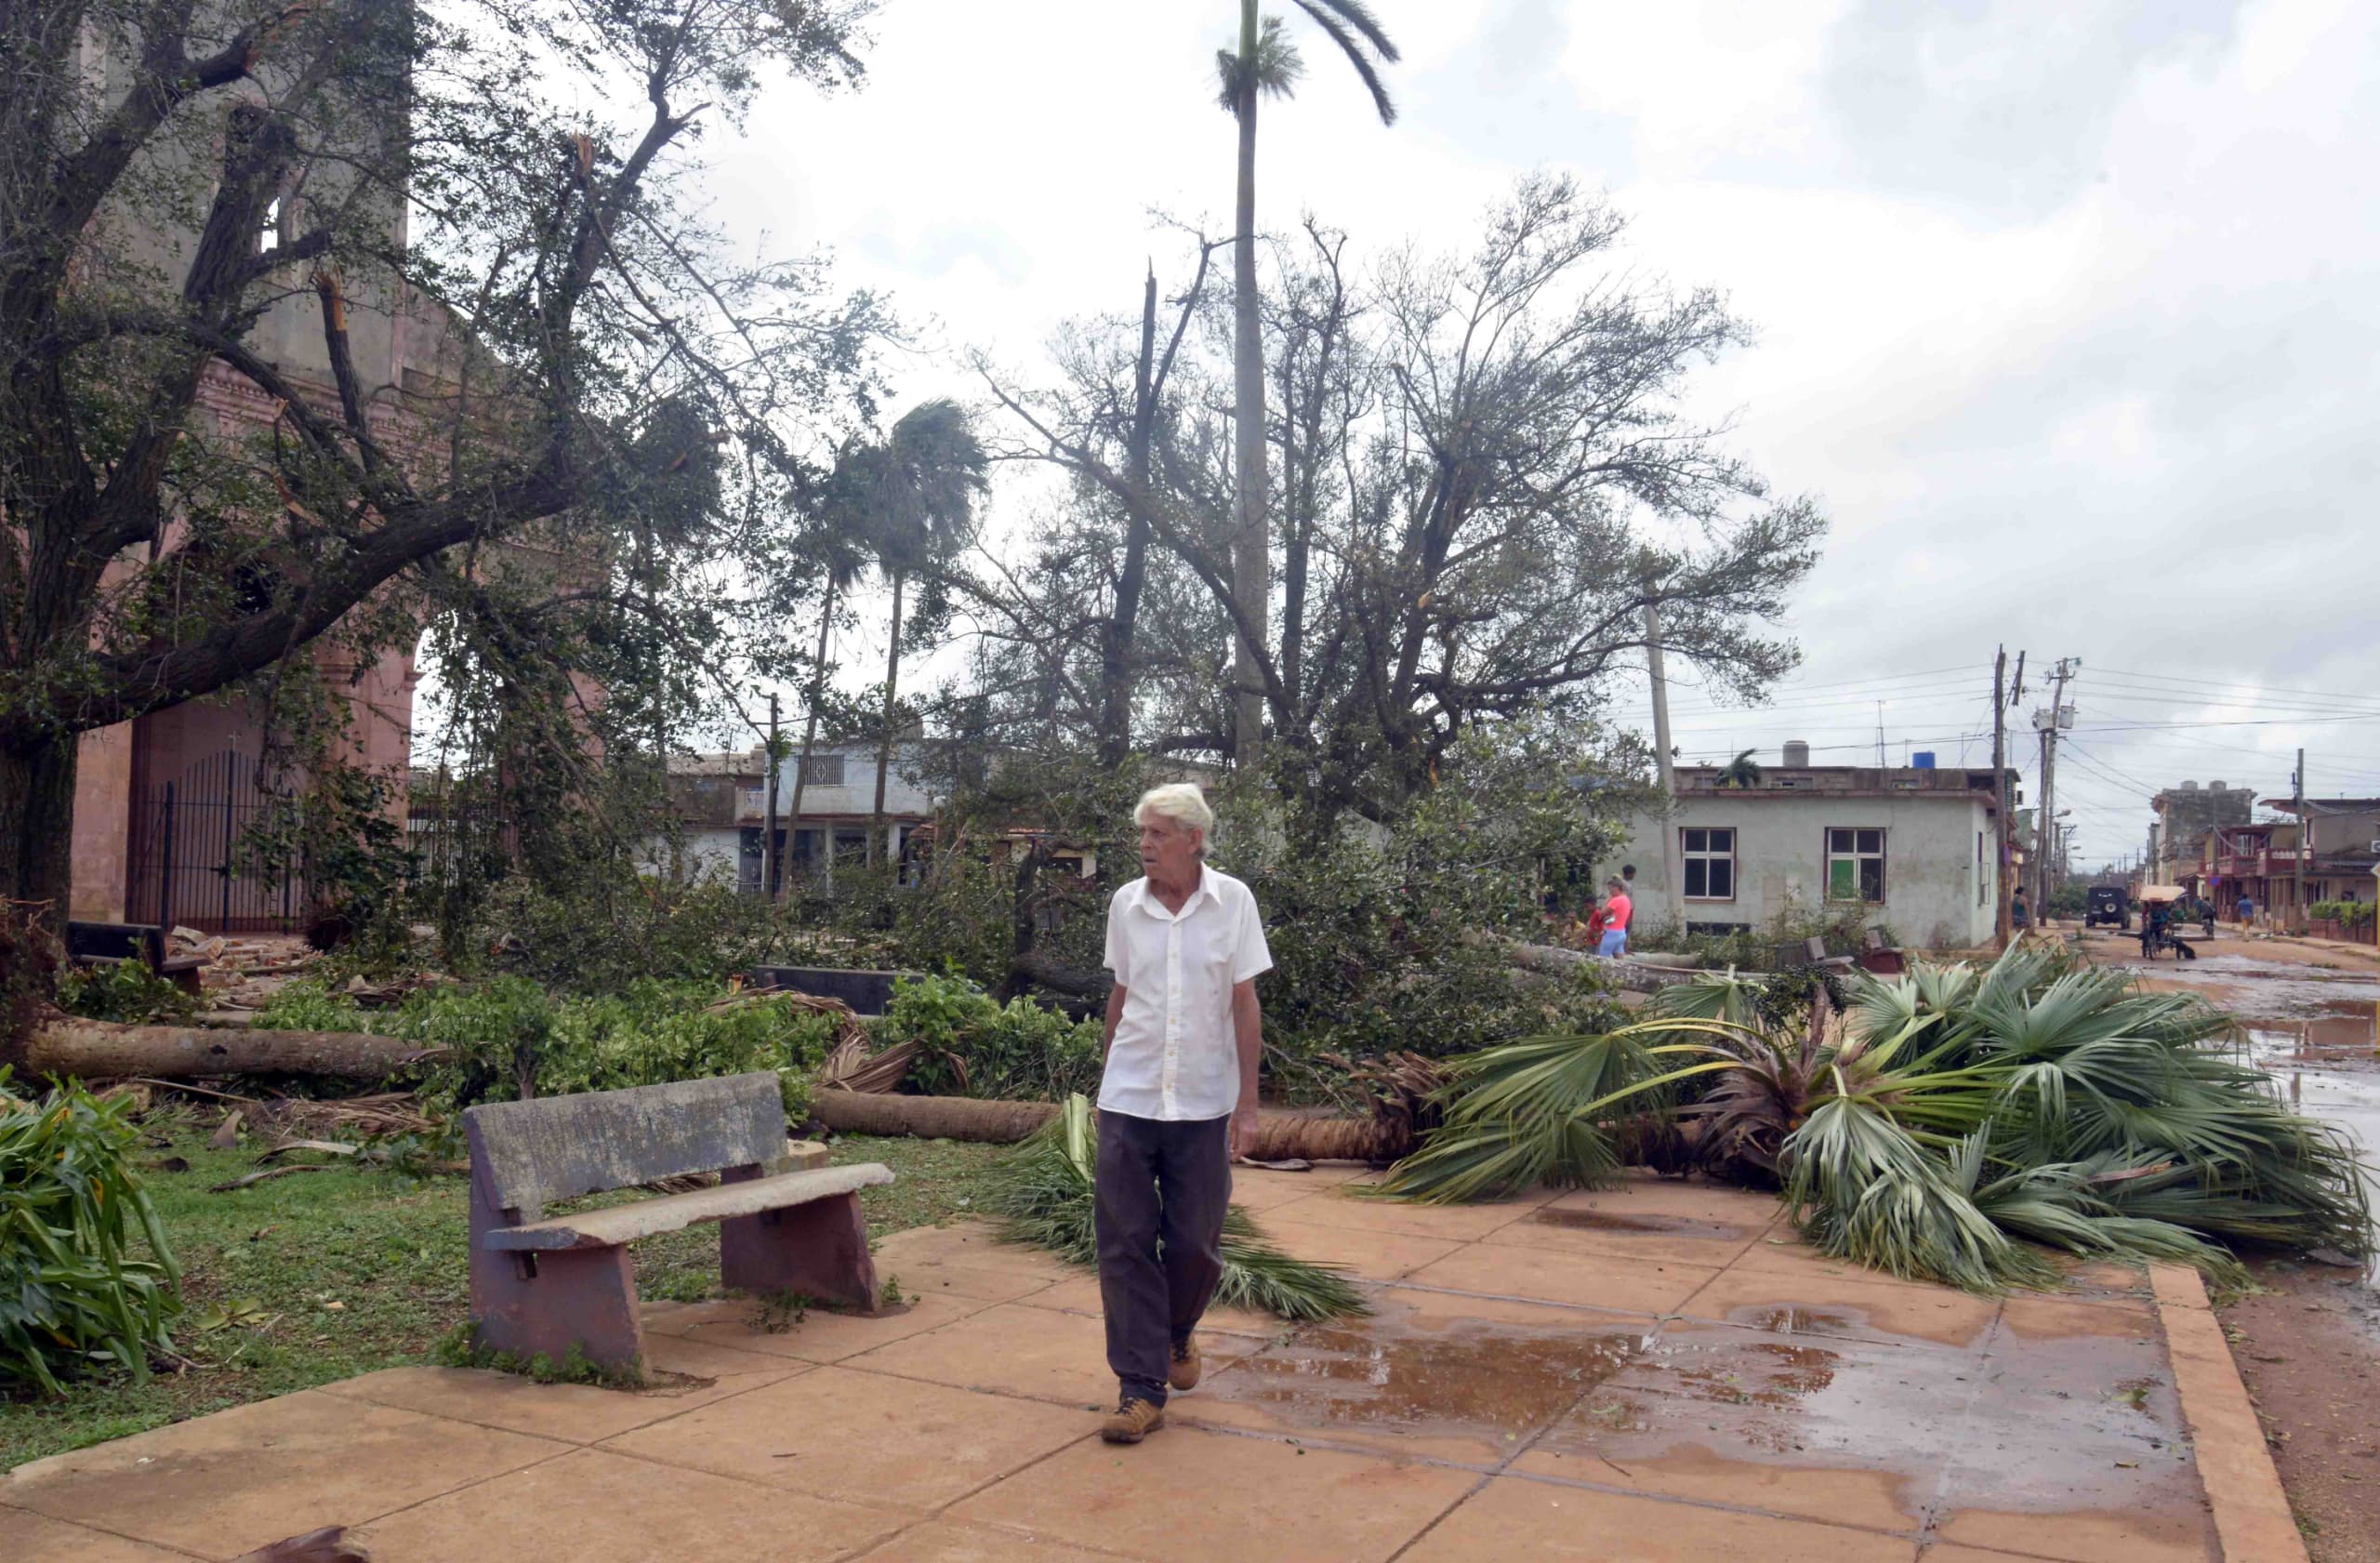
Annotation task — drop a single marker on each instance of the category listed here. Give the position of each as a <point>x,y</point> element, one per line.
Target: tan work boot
<point>1183,1371</point>
<point>1131,1422</point>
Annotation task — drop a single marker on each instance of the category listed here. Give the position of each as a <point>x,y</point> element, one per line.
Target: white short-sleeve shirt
<point>1175,1055</point>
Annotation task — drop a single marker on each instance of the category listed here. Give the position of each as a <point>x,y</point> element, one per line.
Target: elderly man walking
<point>1177,1100</point>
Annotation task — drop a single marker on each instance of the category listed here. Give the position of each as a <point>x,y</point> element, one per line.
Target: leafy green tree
<point>1266,64</point>
<point>440,264</point>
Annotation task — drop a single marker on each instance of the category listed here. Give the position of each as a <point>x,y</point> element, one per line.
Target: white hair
<point>1181,802</point>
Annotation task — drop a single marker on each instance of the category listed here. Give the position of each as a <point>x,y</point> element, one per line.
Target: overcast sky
<point>2067,311</point>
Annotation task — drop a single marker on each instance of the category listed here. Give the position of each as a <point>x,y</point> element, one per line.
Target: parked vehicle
<point>2108,905</point>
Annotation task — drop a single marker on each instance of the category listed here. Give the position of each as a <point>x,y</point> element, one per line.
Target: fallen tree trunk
<point>98,1049</point>
<point>1280,1136</point>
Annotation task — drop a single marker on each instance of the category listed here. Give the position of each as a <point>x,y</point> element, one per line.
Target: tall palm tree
<point>841,548</point>
<point>1266,63</point>
<point>933,471</point>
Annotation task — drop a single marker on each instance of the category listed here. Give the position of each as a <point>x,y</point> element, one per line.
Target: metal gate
<point>194,860</point>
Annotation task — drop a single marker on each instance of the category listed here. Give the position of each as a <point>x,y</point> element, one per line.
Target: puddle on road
<point>1452,1377</point>
<point>1652,1226</point>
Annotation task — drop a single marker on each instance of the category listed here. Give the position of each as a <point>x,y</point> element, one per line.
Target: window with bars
<point>1855,865</point>
<point>1709,863</point>
<point>825,769</point>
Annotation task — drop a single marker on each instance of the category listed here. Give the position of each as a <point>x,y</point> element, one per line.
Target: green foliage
<point>2070,900</point>
<point>969,1045</point>
<point>308,1004</point>
<point>1952,1112</point>
<point>1843,929</point>
<point>2353,916</point>
<point>73,1298</point>
<point>1042,1193</point>
<point>122,991</point>
<point>1390,939</point>
<point>508,1037</point>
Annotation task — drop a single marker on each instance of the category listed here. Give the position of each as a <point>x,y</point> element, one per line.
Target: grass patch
<point>310,1278</point>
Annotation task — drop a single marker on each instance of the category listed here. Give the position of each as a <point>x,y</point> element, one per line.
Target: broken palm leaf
<point>1042,1194</point>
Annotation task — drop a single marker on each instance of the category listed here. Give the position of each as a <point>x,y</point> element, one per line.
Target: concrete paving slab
<point>1188,1495</point>
<point>940,1542</point>
<point>984,1283</point>
<point>1511,1517</point>
<point>2056,1318</point>
<point>2083,1538</point>
<point>1430,1375</point>
<point>1578,1280</point>
<point>225,1484</point>
<point>1255,1190</point>
<point>1339,1207</point>
<point>687,1374</point>
<point>1623,1233</point>
<point>1780,1252</point>
<point>1843,1431</point>
<point>1373,1255</point>
<point>1080,1295</point>
<point>593,1506</point>
<point>1644,1193</point>
<point>863,1437</point>
<point>33,1538</point>
<point>1039,1353</point>
<point>965,1242</point>
<point>821,1336</point>
<point>1877,1310</point>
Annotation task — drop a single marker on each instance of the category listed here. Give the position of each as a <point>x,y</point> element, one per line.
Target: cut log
<point>102,1050</point>
<point>1280,1136</point>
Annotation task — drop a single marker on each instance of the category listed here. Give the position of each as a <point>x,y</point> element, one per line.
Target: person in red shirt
<point>1617,911</point>
<point>1596,917</point>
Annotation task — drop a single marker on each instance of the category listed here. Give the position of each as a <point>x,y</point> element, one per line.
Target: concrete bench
<point>542,1284</point>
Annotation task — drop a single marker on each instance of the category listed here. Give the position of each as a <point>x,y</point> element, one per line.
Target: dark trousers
<point>1159,1200</point>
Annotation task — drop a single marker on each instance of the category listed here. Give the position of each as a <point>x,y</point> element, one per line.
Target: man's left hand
<point>1243,1131</point>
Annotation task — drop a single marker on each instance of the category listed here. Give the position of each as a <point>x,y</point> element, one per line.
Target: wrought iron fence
<point>197,859</point>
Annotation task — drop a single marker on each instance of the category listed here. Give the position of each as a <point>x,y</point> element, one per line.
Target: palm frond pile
<point>1042,1194</point>
<point>1950,1124</point>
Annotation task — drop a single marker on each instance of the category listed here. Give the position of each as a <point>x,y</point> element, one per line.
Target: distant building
<point>2187,817</point>
<point>1911,847</point>
<point>722,802</point>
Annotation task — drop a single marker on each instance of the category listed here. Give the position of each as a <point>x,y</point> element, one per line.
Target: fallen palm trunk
<point>1042,1192</point>
<point>102,1050</point>
<point>1280,1136</point>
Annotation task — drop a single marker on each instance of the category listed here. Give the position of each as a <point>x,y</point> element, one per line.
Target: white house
<point>722,803</point>
<point>1915,848</point>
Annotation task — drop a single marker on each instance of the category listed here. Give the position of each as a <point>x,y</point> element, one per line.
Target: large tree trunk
<point>1280,1136</point>
<point>1250,552</point>
<point>98,1049</point>
<point>884,740</point>
<point>810,740</point>
<point>37,824</point>
<point>1116,635</point>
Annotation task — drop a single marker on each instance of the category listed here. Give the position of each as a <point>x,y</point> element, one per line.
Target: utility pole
<point>2000,795</point>
<point>2305,843</point>
<point>2046,837</point>
<point>770,860</point>
<point>1672,869</point>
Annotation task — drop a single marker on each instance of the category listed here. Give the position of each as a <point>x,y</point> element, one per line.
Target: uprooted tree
<point>1482,471</point>
<point>213,221</point>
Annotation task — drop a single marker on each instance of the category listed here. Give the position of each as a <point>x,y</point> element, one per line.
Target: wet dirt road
<point>2308,1346</point>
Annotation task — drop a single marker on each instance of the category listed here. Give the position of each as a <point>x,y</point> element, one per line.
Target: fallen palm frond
<point>1939,1125</point>
<point>1042,1194</point>
<point>71,1296</point>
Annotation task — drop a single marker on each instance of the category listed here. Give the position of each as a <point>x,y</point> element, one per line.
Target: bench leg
<point>579,1297</point>
<point>819,1249</point>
